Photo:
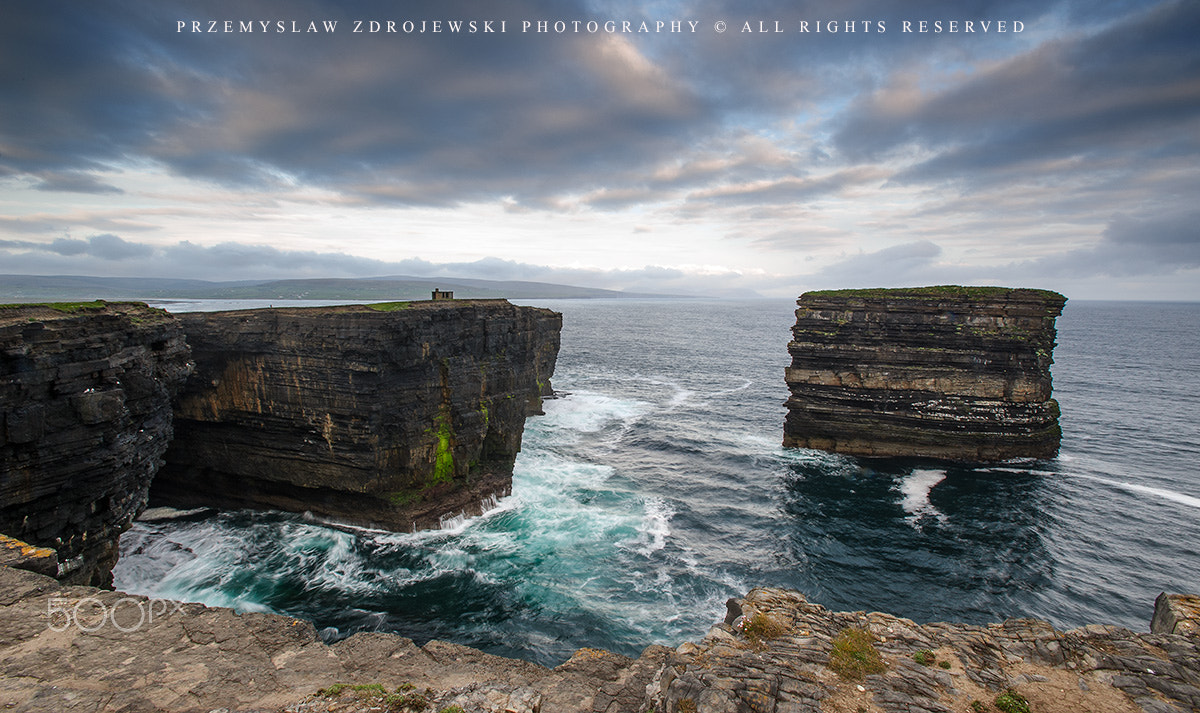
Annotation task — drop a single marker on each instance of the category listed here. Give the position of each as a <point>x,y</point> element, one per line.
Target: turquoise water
<point>654,488</point>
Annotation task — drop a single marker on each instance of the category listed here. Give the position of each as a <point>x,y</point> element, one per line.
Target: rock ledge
<point>187,657</point>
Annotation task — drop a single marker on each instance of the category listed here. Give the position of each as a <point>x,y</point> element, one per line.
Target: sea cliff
<point>399,415</point>
<point>956,373</point>
<point>85,417</point>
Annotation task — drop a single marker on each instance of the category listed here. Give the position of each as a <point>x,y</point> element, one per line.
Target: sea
<point>655,488</point>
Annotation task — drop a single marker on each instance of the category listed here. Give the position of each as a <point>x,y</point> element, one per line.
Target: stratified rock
<point>22,555</point>
<point>78,648</point>
<point>956,373</point>
<point>85,416</point>
<point>1176,614</point>
<point>398,416</point>
<point>773,653</point>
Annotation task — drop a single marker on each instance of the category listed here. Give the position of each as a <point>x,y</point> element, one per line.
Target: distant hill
<point>28,288</point>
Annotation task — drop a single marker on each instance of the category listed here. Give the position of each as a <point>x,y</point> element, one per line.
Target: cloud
<point>1141,245</point>
<point>795,189</point>
<point>404,118</point>
<point>1114,93</point>
<point>236,261</point>
<point>105,246</point>
<point>896,265</point>
<point>418,118</point>
<point>861,157</point>
<point>28,225</point>
<point>74,182</point>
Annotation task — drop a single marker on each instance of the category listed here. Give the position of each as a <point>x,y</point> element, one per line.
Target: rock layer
<point>774,651</point>
<point>85,416</point>
<point>80,648</point>
<point>397,416</point>
<point>956,373</point>
<point>1176,614</point>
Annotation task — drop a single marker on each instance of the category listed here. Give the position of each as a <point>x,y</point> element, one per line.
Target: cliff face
<point>85,416</point>
<point>390,415</point>
<point>960,373</point>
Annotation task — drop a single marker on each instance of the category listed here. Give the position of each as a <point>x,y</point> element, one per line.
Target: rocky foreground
<point>80,648</point>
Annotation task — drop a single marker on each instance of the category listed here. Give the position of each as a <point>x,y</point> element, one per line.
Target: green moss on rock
<point>443,460</point>
<point>949,292</point>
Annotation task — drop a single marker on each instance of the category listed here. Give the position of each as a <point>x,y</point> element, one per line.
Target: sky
<point>749,148</point>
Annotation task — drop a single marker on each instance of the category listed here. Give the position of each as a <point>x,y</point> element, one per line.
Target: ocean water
<point>655,488</point>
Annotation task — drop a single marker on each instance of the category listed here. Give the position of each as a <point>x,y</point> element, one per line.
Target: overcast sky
<point>1065,155</point>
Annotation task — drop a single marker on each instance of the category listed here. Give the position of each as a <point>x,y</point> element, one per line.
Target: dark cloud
<point>1117,92</point>
<point>407,118</point>
<point>27,225</point>
<point>422,118</point>
<point>105,246</point>
<point>906,264</point>
<point>944,141</point>
<point>76,88</point>
<point>74,182</point>
<point>1150,244</point>
<point>1144,246</point>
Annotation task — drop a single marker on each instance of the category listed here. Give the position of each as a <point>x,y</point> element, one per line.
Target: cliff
<point>397,415</point>
<point>85,416</point>
<point>956,373</point>
<point>81,648</point>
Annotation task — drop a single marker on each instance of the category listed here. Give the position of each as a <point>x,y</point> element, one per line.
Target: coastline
<point>75,646</point>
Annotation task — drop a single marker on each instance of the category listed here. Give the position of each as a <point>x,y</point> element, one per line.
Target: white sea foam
<point>679,394</point>
<point>745,385</point>
<point>590,411</point>
<point>655,527</point>
<point>915,488</point>
<point>331,557</point>
<point>538,470</point>
<point>1181,498</point>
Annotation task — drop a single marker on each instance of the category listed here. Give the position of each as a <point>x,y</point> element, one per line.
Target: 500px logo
<point>90,614</point>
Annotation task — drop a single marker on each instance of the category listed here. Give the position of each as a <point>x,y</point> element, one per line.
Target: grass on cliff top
<point>389,306</point>
<point>854,654</point>
<point>67,307</point>
<point>376,695</point>
<point>93,306</point>
<point>1012,702</point>
<point>957,292</point>
<point>761,627</point>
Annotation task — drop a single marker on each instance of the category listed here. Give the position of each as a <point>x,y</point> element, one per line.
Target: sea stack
<point>400,416</point>
<point>947,372</point>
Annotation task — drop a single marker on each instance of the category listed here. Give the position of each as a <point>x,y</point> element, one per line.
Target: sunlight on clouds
<point>634,78</point>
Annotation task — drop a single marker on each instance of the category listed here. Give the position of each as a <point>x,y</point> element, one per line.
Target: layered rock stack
<point>85,417</point>
<point>399,416</point>
<point>956,373</point>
